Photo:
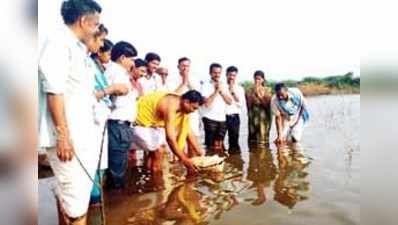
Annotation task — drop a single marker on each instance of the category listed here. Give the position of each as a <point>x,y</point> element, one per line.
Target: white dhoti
<point>73,185</point>
<point>296,132</point>
<point>148,138</point>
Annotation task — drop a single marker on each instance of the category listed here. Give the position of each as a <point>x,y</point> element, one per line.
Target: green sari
<point>259,117</point>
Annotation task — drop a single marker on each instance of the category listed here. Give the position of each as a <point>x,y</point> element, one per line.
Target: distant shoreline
<point>316,90</point>
<point>312,86</point>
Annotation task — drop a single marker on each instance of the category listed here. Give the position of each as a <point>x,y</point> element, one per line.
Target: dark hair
<point>108,45</point>
<point>232,69</point>
<point>72,10</point>
<point>140,62</point>
<point>214,65</point>
<point>182,59</point>
<point>123,48</point>
<point>193,96</point>
<point>101,30</point>
<point>279,86</point>
<point>259,73</point>
<point>152,56</point>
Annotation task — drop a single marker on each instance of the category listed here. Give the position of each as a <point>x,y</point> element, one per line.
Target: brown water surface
<point>315,182</point>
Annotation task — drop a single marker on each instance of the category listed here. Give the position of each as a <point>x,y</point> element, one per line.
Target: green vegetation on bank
<point>339,84</point>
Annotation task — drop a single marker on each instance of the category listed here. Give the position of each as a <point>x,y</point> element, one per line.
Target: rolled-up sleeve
<point>54,65</point>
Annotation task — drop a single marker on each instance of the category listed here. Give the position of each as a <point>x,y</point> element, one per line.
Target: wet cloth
<point>64,69</point>
<point>147,121</point>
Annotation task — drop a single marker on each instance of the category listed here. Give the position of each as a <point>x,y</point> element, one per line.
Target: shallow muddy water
<point>316,182</point>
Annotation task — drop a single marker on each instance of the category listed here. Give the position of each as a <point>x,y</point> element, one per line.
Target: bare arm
<point>171,137</point>
<point>279,127</point>
<point>226,98</point>
<point>56,107</point>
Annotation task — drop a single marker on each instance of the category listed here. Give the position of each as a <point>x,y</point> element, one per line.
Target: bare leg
<point>64,219</point>
<point>148,159</point>
<point>157,159</point>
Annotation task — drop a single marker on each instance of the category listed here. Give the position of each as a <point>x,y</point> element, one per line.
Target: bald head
<point>163,73</point>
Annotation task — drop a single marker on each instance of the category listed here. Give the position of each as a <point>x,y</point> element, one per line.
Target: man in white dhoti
<point>288,106</point>
<point>162,118</point>
<point>66,125</point>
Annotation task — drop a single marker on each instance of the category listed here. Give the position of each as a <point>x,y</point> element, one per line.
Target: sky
<point>285,39</point>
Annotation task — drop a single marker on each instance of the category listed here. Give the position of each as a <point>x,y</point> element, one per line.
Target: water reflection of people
<point>184,206</point>
<point>291,185</point>
<point>261,171</point>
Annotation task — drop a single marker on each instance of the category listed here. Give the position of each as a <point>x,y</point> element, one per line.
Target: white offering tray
<point>209,163</point>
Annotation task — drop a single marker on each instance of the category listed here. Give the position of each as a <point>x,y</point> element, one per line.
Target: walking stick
<point>102,205</point>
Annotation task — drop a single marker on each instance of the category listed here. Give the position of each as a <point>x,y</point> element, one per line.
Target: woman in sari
<point>259,111</point>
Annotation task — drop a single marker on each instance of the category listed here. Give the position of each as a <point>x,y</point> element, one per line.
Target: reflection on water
<point>291,185</point>
<point>168,198</point>
<point>316,183</point>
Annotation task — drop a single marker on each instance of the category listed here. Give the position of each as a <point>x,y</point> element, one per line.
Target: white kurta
<point>64,69</point>
<point>151,84</point>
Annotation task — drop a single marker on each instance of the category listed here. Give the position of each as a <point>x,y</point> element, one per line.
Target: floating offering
<point>209,163</point>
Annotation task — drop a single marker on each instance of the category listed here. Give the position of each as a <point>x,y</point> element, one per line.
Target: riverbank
<point>313,86</point>
<point>319,89</point>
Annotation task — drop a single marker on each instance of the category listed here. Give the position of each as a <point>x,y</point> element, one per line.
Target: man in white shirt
<point>234,110</point>
<point>185,82</point>
<point>123,112</point>
<point>66,125</point>
<point>165,84</point>
<point>213,113</point>
<point>151,81</point>
<point>290,110</point>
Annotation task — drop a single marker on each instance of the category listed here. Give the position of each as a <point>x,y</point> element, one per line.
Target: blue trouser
<point>119,134</point>
<point>233,126</point>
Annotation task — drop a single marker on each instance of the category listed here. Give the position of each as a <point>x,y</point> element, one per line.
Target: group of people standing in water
<point>99,102</point>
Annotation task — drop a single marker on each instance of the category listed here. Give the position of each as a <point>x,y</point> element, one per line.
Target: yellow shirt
<point>147,116</point>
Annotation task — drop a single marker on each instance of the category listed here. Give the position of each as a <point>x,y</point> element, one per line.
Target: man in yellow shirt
<point>164,118</point>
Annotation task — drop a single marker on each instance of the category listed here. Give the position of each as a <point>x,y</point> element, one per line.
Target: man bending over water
<point>164,117</point>
<point>289,108</point>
